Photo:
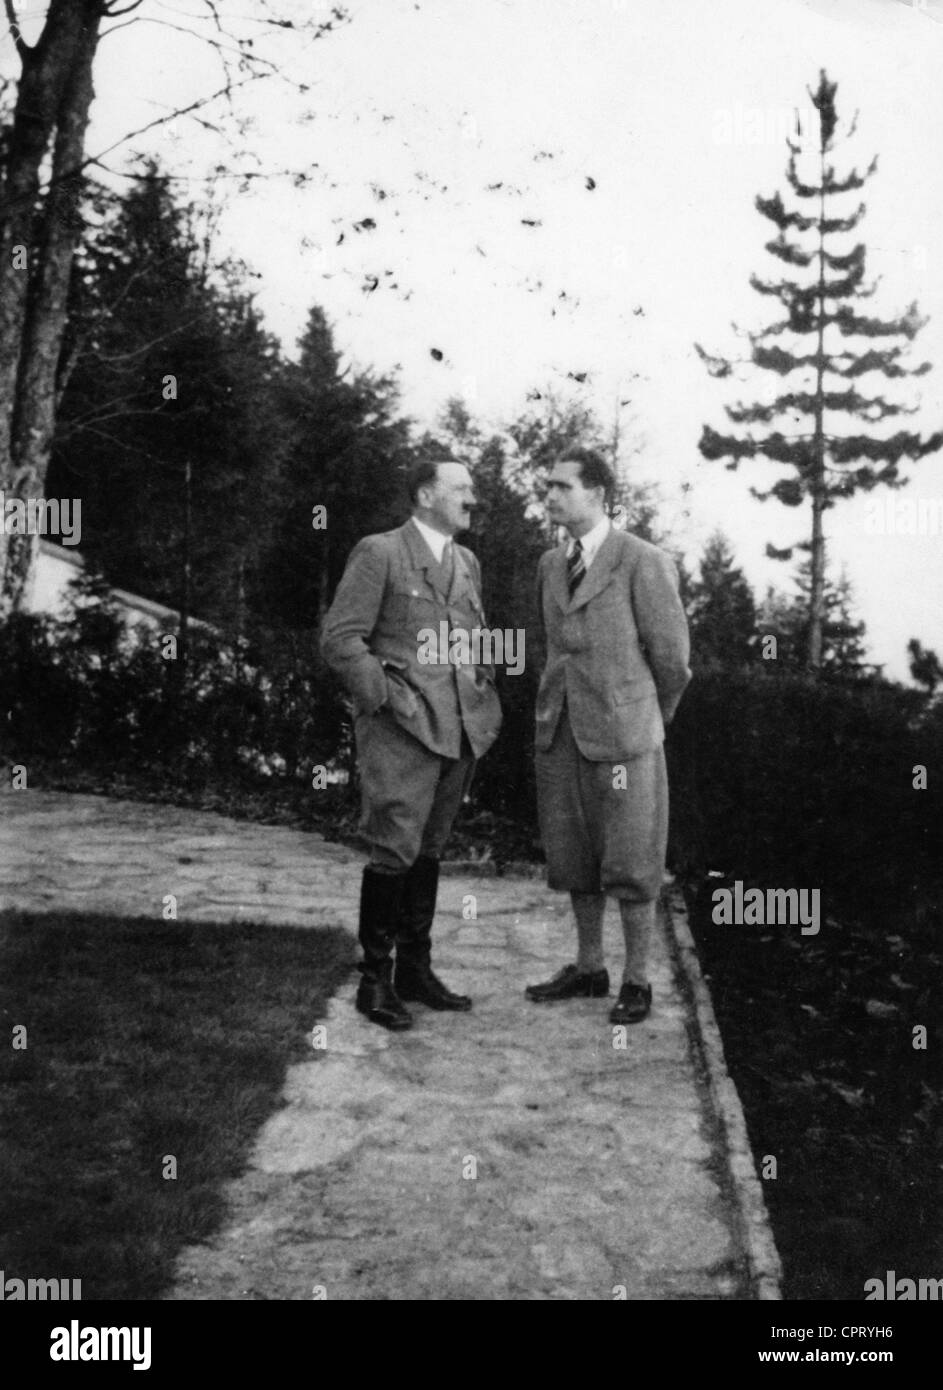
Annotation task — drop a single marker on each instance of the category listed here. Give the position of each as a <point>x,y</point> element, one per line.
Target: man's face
<point>569,502</point>
<point>446,505</point>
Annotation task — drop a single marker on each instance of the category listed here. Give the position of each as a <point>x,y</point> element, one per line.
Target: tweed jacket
<point>371,638</point>
<point>617,652</point>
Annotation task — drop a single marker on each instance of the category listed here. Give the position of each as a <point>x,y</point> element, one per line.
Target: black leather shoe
<point>634,1004</point>
<point>420,986</point>
<point>381,1004</point>
<point>570,983</point>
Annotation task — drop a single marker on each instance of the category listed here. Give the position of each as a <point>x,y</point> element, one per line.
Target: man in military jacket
<point>419,727</point>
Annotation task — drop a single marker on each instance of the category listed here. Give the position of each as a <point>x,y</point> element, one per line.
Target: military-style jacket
<point>372,638</point>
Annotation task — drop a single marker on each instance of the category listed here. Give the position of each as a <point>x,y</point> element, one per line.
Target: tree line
<point>230,481</point>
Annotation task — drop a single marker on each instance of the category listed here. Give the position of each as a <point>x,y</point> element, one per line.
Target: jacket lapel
<point>595,579</point>
<point>558,585</point>
<point>598,574</point>
<point>420,556</point>
<point>461,577</point>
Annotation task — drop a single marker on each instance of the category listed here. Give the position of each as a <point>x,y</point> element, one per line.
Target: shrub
<point>795,780</point>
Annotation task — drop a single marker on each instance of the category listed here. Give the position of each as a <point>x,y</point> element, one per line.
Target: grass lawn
<point>144,1039</point>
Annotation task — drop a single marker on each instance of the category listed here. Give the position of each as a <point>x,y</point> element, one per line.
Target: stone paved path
<point>509,1153</point>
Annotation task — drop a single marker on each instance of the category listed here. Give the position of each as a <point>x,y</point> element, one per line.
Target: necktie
<point>575,569</point>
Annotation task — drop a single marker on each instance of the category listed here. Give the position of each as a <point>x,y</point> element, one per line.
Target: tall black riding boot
<point>414,979</point>
<point>381,898</point>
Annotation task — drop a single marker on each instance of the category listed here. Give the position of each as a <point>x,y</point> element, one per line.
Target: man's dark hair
<point>594,470</point>
<point>423,472</point>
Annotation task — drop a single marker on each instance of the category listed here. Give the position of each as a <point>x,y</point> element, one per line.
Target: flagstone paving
<point>515,1152</point>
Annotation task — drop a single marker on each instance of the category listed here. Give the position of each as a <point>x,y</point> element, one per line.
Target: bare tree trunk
<point>46,68</point>
<point>53,101</point>
<point>817,574</point>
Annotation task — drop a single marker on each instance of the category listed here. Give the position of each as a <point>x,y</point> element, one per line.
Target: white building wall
<point>49,593</point>
<point>49,584</point>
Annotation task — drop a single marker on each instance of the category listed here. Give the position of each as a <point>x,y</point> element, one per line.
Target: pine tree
<point>722,608</point>
<point>825,465</point>
<point>844,650</point>
<point>779,615</point>
<point>925,666</point>
<point>166,428</point>
<point>787,617</point>
<point>347,453</point>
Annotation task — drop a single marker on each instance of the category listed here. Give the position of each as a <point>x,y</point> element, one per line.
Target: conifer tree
<point>925,666</point>
<point>787,618</point>
<point>844,650</point>
<point>167,426</point>
<point>829,347</point>
<point>722,608</point>
<point>343,476</point>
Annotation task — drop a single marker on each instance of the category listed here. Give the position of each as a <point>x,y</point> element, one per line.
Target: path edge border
<point>764,1267</point>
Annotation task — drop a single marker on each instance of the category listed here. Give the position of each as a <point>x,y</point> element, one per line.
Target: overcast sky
<point>635,134</point>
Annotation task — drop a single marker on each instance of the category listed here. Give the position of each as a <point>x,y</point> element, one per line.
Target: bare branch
<point>215,13</point>
<point>124,413</point>
<point>182,111</point>
<point>112,14</point>
<point>22,47</point>
<point>69,173</point>
<point>146,347</point>
<point>121,443</point>
<point>118,27</point>
<point>241,174</point>
<point>221,48</point>
<point>109,410</point>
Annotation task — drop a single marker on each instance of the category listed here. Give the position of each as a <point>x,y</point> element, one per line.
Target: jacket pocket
<point>633,692</point>
<point>400,695</point>
<point>411,605</point>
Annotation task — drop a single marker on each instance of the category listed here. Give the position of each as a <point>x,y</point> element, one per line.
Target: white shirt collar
<point>591,542</point>
<point>433,539</point>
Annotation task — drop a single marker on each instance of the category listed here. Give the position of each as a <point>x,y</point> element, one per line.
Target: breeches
<point>604,826</point>
<point>409,795</point>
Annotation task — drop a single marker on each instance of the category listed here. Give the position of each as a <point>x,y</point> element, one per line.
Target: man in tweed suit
<point>617,665</point>
<point>419,726</point>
